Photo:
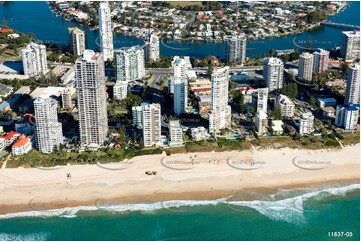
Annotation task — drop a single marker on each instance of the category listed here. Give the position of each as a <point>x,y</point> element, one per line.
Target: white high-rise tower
<point>220,114</point>
<point>320,60</point>
<point>34,59</point>
<point>305,67</point>
<point>90,85</point>
<point>152,48</point>
<point>48,131</point>
<point>235,49</point>
<point>105,31</point>
<point>353,85</point>
<point>273,69</point>
<point>180,84</point>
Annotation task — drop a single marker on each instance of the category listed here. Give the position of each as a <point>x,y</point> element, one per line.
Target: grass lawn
<point>176,150</point>
<point>34,158</point>
<point>10,54</point>
<point>184,3</point>
<point>277,142</point>
<point>201,146</point>
<point>228,145</point>
<point>351,139</point>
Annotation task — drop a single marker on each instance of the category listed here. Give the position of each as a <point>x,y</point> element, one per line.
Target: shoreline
<point>208,176</point>
<point>194,40</point>
<point>172,199</point>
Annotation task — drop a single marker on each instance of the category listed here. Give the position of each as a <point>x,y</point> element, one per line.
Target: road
<point>201,69</point>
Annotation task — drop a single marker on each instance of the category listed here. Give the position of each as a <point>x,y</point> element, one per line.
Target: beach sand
<point>192,176</point>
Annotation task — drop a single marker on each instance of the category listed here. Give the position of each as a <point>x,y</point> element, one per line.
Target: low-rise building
<point>21,146</point>
<point>10,137</point>
<point>326,102</point>
<point>5,90</point>
<point>277,126</point>
<point>286,105</point>
<point>13,100</point>
<point>204,103</point>
<point>120,90</point>
<point>201,87</point>
<point>199,133</point>
<point>328,112</point>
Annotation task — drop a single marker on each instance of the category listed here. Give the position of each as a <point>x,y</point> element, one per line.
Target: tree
<point>134,136</point>
<point>141,143</point>
<point>130,101</point>
<point>312,101</point>
<point>252,110</point>
<point>276,112</point>
<point>271,52</point>
<point>344,68</point>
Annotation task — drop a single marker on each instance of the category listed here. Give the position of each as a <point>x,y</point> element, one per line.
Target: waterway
<point>35,17</point>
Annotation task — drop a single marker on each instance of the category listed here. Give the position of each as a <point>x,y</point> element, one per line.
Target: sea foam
<point>289,209</point>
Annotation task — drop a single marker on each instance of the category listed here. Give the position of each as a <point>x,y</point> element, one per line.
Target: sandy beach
<point>192,176</point>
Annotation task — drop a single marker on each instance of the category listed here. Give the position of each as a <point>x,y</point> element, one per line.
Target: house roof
<point>21,141</point>
<point>10,135</point>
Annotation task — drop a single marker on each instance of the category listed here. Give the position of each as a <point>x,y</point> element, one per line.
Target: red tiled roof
<point>10,135</point>
<point>6,30</point>
<point>21,141</point>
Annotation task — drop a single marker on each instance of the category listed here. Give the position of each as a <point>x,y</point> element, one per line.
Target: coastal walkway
<point>340,25</point>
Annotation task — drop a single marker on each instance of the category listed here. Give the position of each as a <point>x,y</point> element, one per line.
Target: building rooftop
<point>5,89</point>
<point>273,61</point>
<point>277,125</point>
<point>21,141</point>
<point>90,55</point>
<point>261,114</point>
<point>321,52</point>
<point>285,100</point>
<point>10,135</point>
<point>306,55</point>
<point>174,124</point>
<point>306,115</point>
<point>47,92</point>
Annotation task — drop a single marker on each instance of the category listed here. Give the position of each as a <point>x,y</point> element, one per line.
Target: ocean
<point>287,214</point>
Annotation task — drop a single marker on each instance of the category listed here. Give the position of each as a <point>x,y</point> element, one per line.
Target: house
<point>13,36</point>
<point>21,146</point>
<point>286,105</point>
<point>326,102</point>
<point>6,30</point>
<point>199,133</point>
<point>10,137</point>
<point>5,90</point>
<point>328,112</point>
<point>277,126</point>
